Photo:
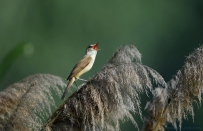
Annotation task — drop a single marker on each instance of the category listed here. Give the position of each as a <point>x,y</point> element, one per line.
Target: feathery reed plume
<point>25,104</point>
<point>112,95</point>
<point>174,103</point>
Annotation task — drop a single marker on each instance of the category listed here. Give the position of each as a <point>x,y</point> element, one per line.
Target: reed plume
<point>25,104</point>
<point>174,103</point>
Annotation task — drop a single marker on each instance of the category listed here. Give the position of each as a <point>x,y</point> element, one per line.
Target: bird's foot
<point>82,79</point>
<point>76,84</point>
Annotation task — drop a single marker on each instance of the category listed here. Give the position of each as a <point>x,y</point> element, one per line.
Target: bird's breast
<point>89,66</point>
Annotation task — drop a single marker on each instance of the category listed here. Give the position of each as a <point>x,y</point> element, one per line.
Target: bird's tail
<point>67,87</point>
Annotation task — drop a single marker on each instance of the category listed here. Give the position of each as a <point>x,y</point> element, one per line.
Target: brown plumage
<point>79,67</point>
<point>82,66</point>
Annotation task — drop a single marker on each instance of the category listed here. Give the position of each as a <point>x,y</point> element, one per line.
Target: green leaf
<point>22,48</point>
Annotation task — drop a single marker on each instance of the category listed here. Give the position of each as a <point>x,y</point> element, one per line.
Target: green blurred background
<point>59,31</point>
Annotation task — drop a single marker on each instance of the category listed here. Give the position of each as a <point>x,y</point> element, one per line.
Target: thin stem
<point>163,113</point>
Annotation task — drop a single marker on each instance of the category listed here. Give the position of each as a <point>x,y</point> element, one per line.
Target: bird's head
<point>92,48</point>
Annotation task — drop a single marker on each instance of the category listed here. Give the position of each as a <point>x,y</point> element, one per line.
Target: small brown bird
<point>82,67</point>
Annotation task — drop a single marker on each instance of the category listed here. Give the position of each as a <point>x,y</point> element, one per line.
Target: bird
<point>84,65</point>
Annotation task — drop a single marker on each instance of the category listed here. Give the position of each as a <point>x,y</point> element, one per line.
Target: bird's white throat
<point>92,53</point>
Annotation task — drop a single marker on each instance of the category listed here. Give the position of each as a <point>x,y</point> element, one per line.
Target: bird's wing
<point>80,66</point>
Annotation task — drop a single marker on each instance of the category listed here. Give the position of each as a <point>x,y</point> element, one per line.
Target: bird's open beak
<point>95,46</point>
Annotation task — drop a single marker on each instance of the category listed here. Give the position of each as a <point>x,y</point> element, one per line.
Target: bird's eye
<point>88,49</point>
